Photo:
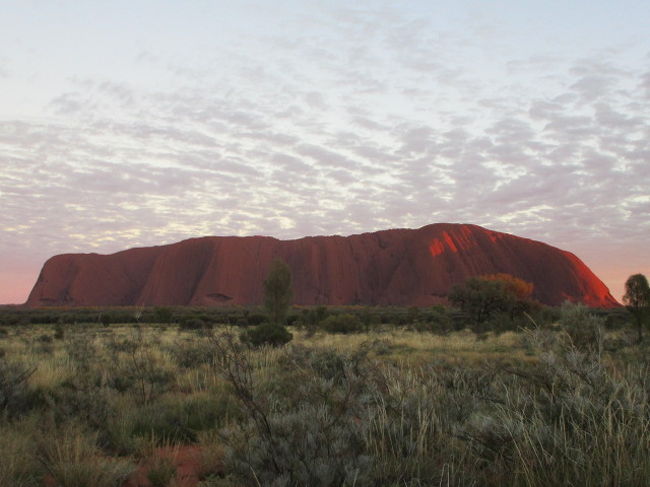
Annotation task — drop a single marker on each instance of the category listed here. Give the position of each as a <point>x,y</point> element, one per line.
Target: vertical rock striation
<point>390,267</point>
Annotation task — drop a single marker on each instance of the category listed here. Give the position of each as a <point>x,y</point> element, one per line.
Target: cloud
<point>362,124</point>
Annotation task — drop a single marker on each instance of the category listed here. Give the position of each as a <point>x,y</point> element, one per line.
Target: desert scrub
<point>14,394</point>
<point>70,455</point>
<point>316,416</point>
<point>342,323</point>
<point>392,407</point>
<point>161,472</point>
<point>266,334</point>
<point>569,420</point>
<point>19,466</point>
<point>306,426</point>
<point>138,365</point>
<point>179,419</point>
<point>192,353</point>
<point>584,328</point>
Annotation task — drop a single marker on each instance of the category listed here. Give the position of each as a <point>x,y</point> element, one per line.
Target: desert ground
<point>559,398</point>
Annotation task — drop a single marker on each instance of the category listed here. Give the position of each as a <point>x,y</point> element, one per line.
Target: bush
<point>343,323</point>
<point>179,420</point>
<point>193,323</point>
<point>255,319</point>
<point>313,316</point>
<point>436,320</point>
<point>77,400</point>
<point>584,328</point>
<point>162,315</point>
<point>72,458</point>
<point>14,395</point>
<point>305,428</point>
<point>19,466</point>
<point>45,338</point>
<point>266,334</point>
<point>192,355</point>
<point>59,332</point>
<point>161,472</point>
<point>483,297</point>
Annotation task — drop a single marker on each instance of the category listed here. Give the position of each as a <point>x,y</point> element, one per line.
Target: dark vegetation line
<point>498,391</point>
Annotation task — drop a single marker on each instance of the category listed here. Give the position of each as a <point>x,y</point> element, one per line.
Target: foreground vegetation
<point>560,398</point>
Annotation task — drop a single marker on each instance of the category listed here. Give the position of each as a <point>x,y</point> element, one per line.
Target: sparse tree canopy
<point>637,300</point>
<point>278,292</point>
<point>513,285</point>
<point>483,297</point>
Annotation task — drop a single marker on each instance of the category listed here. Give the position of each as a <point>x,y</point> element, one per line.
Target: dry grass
<point>452,409</point>
<point>417,347</point>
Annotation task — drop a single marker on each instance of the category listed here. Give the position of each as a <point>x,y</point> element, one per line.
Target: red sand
<point>391,267</point>
<point>186,459</point>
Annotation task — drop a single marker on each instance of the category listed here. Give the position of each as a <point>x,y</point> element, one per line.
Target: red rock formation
<point>400,267</point>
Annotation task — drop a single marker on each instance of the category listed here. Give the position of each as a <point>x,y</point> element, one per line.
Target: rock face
<point>391,267</point>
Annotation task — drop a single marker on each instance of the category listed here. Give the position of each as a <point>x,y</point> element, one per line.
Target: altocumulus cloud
<point>362,124</point>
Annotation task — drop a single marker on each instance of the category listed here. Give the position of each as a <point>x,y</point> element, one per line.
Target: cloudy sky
<point>133,123</point>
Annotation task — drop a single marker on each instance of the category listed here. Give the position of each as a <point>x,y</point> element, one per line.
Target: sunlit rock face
<point>391,267</point>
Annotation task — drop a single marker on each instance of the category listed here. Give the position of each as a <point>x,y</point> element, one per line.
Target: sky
<point>137,123</point>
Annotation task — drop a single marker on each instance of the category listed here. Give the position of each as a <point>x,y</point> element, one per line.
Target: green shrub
<point>71,457</point>
<point>193,354</point>
<point>14,394</point>
<point>45,338</point>
<point>164,422</point>
<point>179,420</point>
<point>81,351</point>
<point>311,317</point>
<point>343,323</point>
<point>19,466</point>
<point>161,472</point>
<point>162,315</point>
<point>306,428</point>
<point>585,329</point>
<point>194,323</point>
<point>59,332</point>
<point>266,334</point>
<point>255,319</point>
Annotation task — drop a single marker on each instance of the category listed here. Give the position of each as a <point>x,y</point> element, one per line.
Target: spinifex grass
<point>387,407</point>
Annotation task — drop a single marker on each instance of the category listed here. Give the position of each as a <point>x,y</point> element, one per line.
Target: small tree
<point>484,296</point>
<point>517,293</point>
<point>637,300</point>
<point>479,298</point>
<point>277,292</point>
<point>277,298</point>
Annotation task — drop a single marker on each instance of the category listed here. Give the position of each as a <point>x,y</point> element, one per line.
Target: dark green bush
<point>193,354</point>
<point>266,334</point>
<point>163,421</point>
<point>44,338</point>
<point>170,419</point>
<point>313,316</point>
<point>162,315</point>
<point>305,428</point>
<point>434,320</point>
<point>585,329</point>
<point>59,332</point>
<point>255,319</point>
<point>194,323</point>
<point>14,394</point>
<point>161,472</point>
<point>343,323</point>
<point>76,400</point>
